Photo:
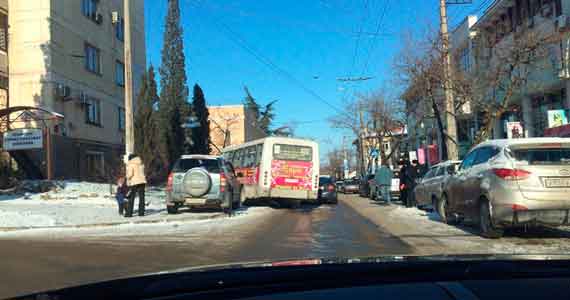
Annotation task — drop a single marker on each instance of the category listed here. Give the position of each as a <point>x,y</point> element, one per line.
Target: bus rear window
<point>292,152</point>
<point>543,156</point>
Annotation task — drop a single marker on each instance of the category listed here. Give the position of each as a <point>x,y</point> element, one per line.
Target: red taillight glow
<point>169,182</point>
<point>511,174</point>
<point>330,188</point>
<point>518,207</point>
<point>223,182</point>
<point>304,262</point>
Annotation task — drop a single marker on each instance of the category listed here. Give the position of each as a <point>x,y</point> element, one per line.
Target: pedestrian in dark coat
<point>408,178</point>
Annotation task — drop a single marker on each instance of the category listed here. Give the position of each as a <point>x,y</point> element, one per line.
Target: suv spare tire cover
<point>197,182</point>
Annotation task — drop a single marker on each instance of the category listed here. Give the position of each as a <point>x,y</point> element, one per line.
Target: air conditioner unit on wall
<point>99,18</point>
<point>62,92</point>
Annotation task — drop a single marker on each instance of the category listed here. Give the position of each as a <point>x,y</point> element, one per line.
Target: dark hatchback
<point>327,190</point>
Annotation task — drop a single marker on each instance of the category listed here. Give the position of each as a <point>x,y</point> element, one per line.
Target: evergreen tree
<point>174,107</point>
<point>146,130</point>
<point>264,115</point>
<point>200,135</point>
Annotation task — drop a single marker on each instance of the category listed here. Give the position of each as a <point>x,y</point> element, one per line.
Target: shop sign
<point>557,117</point>
<point>23,139</point>
<point>514,130</point>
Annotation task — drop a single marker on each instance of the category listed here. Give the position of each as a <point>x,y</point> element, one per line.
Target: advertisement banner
<point>514,130</point>
<point>421,156</point>
<point>294,175</point>
<point>23,139</point>
<point>557,117</point>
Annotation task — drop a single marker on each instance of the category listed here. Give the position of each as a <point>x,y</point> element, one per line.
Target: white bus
<point>279,169</point>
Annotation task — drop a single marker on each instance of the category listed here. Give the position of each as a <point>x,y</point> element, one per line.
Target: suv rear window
<point>210,165</point>
<point>543,156</point>
<point>292,152</point>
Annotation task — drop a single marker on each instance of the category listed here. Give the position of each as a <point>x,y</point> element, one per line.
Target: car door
<point>456,183</point>
<point>422,188</point>
<point>436,183</point>
<point>475,176</point>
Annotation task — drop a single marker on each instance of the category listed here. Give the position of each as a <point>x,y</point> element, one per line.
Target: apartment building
<point>232,125</point>
<point>546,91</point>
<point>67,56</point>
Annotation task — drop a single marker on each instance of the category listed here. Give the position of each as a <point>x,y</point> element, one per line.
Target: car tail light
<point>330,188</point>
<point>511,174</point>
<point>223,182</point>
<point>518,207</point>
<point>169,182</point>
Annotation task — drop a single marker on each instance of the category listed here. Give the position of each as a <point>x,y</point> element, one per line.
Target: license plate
<point>195,200</point>
<point>557,182</point>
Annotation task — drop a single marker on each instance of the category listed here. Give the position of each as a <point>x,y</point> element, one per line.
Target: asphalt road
<point>326,231</point>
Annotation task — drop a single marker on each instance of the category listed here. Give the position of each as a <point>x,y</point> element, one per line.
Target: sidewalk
<point>80,205</point>
<point>429,236</point>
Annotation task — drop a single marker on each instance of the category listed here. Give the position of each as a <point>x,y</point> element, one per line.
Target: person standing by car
<point>383,180</point>
<point>408,176</point>
<point>136,181</point>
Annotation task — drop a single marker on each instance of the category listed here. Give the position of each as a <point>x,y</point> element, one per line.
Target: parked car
<point>395,188</point>
<point>351,186</point>
<point>430,187</point>
<point>327,191</point>
<point>339,185</point>
<point>364,185</point>
<point>199,181</point>
<point>508,183</point>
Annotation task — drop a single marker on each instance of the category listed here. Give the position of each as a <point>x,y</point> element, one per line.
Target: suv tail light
<point>511,174</point>
<point>223,182</point>
<point>169,182</point>
<point>330,188</point>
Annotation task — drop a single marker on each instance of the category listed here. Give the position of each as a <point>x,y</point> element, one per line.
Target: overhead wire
<point>242,43</point>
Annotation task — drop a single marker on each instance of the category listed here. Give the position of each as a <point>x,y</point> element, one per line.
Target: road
<point>43,260</point>
<point>324,231</point>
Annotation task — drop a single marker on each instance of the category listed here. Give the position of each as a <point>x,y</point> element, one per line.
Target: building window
<point>3,32</point>
<point>464,60</point>
<point>120,30</point>
<point>89,8</point>
<point>92,59</point>
<point>120,73</point>
<point>95,164</point>
<point>93,111</point>
<point>121,118</point>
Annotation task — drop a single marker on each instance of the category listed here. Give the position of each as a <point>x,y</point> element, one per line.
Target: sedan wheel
<point>486,227</point>
<point>443,210</point>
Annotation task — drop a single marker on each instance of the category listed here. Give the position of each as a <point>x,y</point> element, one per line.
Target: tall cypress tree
<point>146,128</point>
<point>174,107</point>
<point>200,135</point>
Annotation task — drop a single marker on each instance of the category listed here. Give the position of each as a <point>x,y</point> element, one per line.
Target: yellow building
<point>232,125</point>
<point>67,56</point>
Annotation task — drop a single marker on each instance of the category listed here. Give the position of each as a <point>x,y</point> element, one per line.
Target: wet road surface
<point>311,231</point>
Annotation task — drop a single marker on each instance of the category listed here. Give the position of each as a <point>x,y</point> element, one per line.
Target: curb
<point>110,224</point>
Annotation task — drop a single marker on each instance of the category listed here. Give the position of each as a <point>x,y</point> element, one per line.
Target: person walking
<point>121,194</point>
<point>136,181</point>
<point>383,178</point>
<point>409,181</point>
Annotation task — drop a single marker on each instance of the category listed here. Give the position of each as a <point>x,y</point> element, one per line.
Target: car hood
<point>366,260</point>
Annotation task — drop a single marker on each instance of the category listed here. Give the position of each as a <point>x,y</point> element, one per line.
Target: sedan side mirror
<point>451,170</point>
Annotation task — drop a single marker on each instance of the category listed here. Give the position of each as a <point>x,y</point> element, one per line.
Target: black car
<point>327,190</point>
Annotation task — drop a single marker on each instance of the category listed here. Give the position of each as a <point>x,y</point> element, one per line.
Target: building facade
<point>232,125</point>
<point>67,56</point>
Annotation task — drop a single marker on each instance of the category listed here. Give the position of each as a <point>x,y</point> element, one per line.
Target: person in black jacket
<point>408,178</point>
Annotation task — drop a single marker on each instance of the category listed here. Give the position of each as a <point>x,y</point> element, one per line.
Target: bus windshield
<point>292,152</point>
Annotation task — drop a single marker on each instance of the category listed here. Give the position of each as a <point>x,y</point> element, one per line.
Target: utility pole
<point>451,131</point>
<point>361,139</point>
<point>129,127</point>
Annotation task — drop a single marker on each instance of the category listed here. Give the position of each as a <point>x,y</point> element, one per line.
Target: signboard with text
<point>23,139</point>
<point>556,118</point>
<point>514,130</point>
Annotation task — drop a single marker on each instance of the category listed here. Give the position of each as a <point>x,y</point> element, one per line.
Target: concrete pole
<point>451,131</point>
<point>129,113</point>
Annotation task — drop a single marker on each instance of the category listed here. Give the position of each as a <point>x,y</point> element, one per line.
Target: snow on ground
<point>161,230</point>
<point>80,204</point>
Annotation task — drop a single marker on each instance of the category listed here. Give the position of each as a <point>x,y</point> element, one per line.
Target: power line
<point>377,32</point>
<point>241,42</point>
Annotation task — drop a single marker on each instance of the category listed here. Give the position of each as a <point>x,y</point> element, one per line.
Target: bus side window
<point>259,154</point>
<point>250,157</point>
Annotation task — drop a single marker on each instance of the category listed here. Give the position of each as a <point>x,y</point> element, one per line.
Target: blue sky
<point>311,42</point>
